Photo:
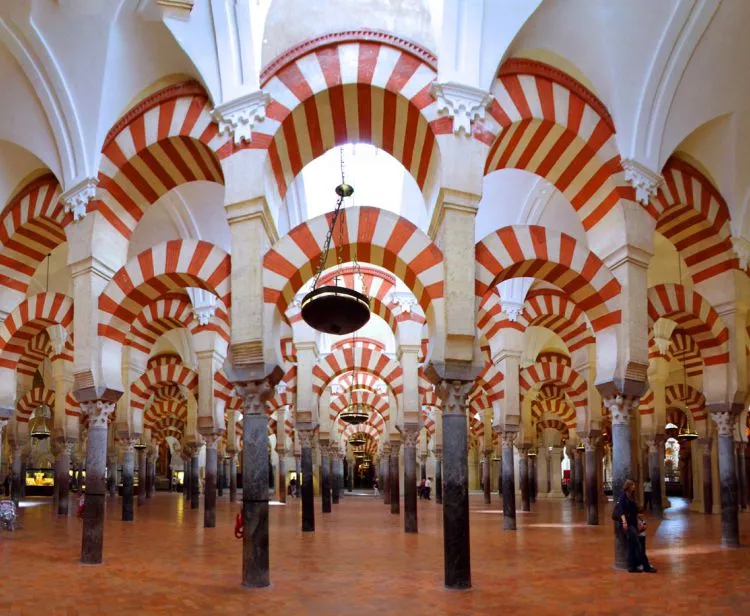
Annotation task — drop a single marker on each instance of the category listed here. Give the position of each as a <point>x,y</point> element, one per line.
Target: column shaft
<point>128,470</point>
<point>523,478</point>
<point>15,476</point>
<point>742,476</point>
<point>532,478</point>
<point>92,540</point>
<point>486,479</point>
<point>62,479</point>
<point>621,471</point>
<point>386,478</point>
<point>141,477</point>
<point>509,484</point>
<point>255,561</point>
<point>325,480</point>
<point>308,506</point>
<point>149,475</point>
<point>592,486</point>
<point>220,476</point>
<point>410,481</point>
<point>233,479</point>
<point>281,492</point>
<point>457,557</point>
<point>655,457</point>
<point>209,494</point>
<point>579,479</point>
<point>708,490</point>
<point>334,480</point>
<point>730,524</point>
<point>395,484</point>
<point>195,482</point>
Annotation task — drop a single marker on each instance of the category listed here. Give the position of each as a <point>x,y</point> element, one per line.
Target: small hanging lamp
<point>334,309</point>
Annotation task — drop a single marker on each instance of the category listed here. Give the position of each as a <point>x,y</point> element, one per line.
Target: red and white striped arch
<point>677,417</point>
<point>553,424</point>
<point>377,236</point>
<point>677,393</point>
<point>159,271</point>
<point>553,356</point>
<point>361,380</point>
<point>686,351</point>
<point>31,316</point>
<point>31,399</point>
<point>557,258</point>
<point>168,426</point>
<point>31,227</point>
<point>365,428</point>
<point>349,91</point>
<point>367,343</point>
<point>694,315</point>
<point>363,360</point>
<point>693,215</point>
<point>143,387</point>
<point>165,408</point>
<point>166,140</point>
<point>558,407</point>
<point>549,124</point>
<point>559,374</point>
<point>551,309</point>
<point>163,359</point>
<point>490,381</point>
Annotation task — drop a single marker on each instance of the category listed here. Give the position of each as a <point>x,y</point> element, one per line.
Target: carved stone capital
<point>410,435</point>
<point>509,438</point>
<point>645,181</point>
<point>395,447</point>
<point>127,445</point>
<point>76,199</point>
<point>254,395</point>
<point>724,421</point>
<point>98,413</point>
<point>465,104</point>
<point>621,408</point>
<point>306,438</point>
<point>453,394</point>
<point>437,452</point>
<point>240,115</point>
<point>654,443</point>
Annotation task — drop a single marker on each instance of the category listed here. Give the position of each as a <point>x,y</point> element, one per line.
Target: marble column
<point>141,476</point>
<point>187,461</point>
<point>92,539</point>
<point>509,481</point>
<point>456,544</point>
<point>281,483</point>
<point>555,472</point>
<point>308,506</point>
<point>227,471</point>
<point>233,477</point>
<point>730,530</point>
<point>16,473</point>
<point>62,476</point>
<point>195,478</point>
<point>209,493</point>
<point>655,461</point>
<point>340,473</point>
<point>438,453</point>
<point>410,434</point>
<point>487,453</point>
<point>333,456</point>
<point>149,472</point>
<point>386,473</point>
<point>532,475</point>
<point>708,489</point>
<point>220,474</point>
<point>325,478</point>
<point>111,473</point>
<point>621,409</point>
<point>578,454</point>
<point>423,465</point>
<point>742,475</point>
<point>394,475</point>
<point>523,477</point>
<point>128,471</point>
<point>255,547</point>
<point>591,481</point>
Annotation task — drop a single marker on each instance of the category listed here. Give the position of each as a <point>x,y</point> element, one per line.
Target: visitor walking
<point>427,487</point>
<point>420,489</point>
<point>626,511</point>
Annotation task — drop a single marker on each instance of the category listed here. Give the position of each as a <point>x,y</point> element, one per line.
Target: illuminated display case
<point>40,481</point>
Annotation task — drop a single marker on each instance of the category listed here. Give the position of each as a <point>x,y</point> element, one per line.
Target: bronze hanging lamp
<point>354,413</point>
<point>334,309</point>
<point>38,427</point>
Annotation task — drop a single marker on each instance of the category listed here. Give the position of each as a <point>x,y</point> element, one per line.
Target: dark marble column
<point>141,476</point>
<point>621,410</point>
<point>92,540</point>
<point>335,491</point>
<point>22,478</point>
<point>386,473</point>
<point>255,546</point>
<point>730,524</point>
<point>227,471</point>
<point>655,457</point>
<point>149,473</point>
<point>532,475</point>
<point>325,479</point>
<point>423,466</point>
<point>438,451</point>
<point>62,476</point>
<point>410,434</point>
<point>308,504</point>
<point>220,475</point>
<point>742,475</point>
<point>486,476</point>
<point>128,471</point>
<point>186,474</point>
<point>209,492</point>
<point>456,544</point>
<point>111,473</point>
<point>16,473</point>
<point>281,483</point>
<point>195,479</point>
<point>708,491</point>
<point>523,477</point>
<point>591,480</point>
<point>509,481</point>
<point>233,477</point>
<point>579,453</point>
<point>394,475</point>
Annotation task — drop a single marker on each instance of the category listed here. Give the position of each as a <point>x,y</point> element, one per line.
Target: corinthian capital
<point>98,413</point>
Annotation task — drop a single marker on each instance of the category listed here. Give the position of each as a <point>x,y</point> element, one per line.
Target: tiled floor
<point>360,562</point>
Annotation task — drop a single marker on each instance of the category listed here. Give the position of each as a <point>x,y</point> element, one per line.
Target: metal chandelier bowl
<point>335,310</point>
<point>38,427</point>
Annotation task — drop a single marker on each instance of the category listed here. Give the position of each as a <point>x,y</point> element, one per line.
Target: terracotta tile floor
<point>359,561</point>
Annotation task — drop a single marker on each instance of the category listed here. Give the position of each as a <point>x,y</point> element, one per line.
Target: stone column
<point>655,461</point>
<point>742,475</point>
<point>532,475</point>
<point>220,474</point>
<point>438,453</point>
<point>333,457</point>
<point>523,477</point>
<point>707,471</point>
<point>128,470</point>
<point>578,454</point>
<point>509,481</point>
<point>62,476</point>
<point>149,472</point>
<point>187,461</point>
<point>325,478</point>
<point>92,541</point>
<point>209,493</point>
<point>16,473</point>
<point>394,475</point>
<point>255,560</point>
<point>590,444</point>
<point>281,483</point>
<point>111,473</point>
<point>487,453</point>
<point>423,465</point>
<point>730,531</point>
<point>340,473</point>
<point>308,506</point>
<point>620,408</point>
<point>141,476</point>
<point>227,472</point>
<point>195,478</point>
<point>555,472</point>
<point>233,477</point>
<point>410,434</point>
<point>386,473</point>
<point>456,545</point>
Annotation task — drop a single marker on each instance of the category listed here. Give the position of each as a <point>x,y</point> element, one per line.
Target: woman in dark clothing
<point>627,509</point>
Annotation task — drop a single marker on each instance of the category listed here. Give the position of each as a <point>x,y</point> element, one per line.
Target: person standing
<point>627,511</point>
<point>427,487</point>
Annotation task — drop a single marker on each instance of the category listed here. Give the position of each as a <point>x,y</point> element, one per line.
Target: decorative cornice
<point>77,198</point>
<point>348,36</point>
<point>645,181</point>
<point>465,104</point>
<point>239,115</point>
<point>526,66</point>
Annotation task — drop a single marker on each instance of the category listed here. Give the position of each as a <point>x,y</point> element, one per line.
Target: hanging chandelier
<point>355,414</point>
<point>140,444</point>
<point>38,427</point>
<point>357,440</point>
<point>335,309</point>
<point>687,434</point>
